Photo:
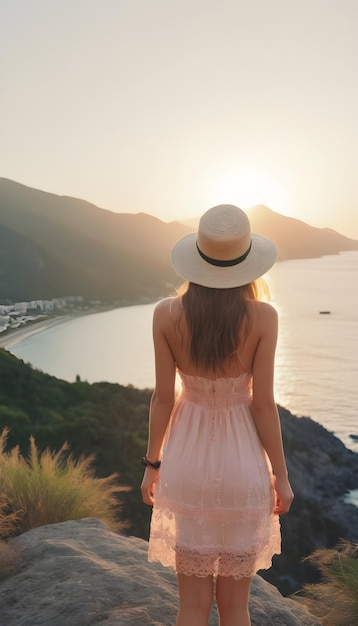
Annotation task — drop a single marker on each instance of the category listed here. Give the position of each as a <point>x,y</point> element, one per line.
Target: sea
<point>316,371</point>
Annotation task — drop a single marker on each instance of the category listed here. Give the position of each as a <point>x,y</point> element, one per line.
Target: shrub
<point>53,487</point>
<point>8,554</point>
<point>8,559</point>
<point>335,599</point>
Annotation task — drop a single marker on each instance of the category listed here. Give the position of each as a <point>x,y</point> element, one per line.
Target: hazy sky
<point>172,106</point>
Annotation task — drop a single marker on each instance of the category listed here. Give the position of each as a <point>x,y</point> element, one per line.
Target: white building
<point>21,307</point>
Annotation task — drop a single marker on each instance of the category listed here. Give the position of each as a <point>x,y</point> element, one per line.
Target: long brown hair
<point>218,320</point>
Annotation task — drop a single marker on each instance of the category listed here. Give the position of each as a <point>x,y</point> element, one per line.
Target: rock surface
<point>322,472</point>
<point>80,573</point>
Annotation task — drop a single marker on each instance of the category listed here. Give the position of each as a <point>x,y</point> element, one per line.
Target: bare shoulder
<point>264,313</point>
<point>163,305</point>
<point>167,309</point>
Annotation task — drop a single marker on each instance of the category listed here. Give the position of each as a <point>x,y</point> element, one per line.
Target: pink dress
<point>214,499</point>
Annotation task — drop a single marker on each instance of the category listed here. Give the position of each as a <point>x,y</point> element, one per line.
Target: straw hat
<point>223,253</point>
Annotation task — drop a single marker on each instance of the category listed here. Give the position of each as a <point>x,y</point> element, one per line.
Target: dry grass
<point>8,519</point>
<point>8,559</point>
<point>8,554</point>
<point>335,599</point>
<point>49,487</point>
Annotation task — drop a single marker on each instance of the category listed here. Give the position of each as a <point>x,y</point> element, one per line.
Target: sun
<point>247,187</point>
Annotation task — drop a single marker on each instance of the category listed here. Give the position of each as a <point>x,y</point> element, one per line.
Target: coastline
<point>11,337</point>
<point>109,339</point>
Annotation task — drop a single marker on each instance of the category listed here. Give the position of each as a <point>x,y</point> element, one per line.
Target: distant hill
<point>52,246</point>
<point>294,239</point>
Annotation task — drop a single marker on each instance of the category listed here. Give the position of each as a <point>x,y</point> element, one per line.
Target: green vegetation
<point>103,421</point>
<point>108,423</point>
<point>335,599</point>
<point>52,487</point>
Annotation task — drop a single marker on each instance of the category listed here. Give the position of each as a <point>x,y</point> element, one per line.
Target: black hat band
<point>228,263</point>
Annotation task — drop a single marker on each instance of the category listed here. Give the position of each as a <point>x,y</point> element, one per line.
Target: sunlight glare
<point>247,187</point>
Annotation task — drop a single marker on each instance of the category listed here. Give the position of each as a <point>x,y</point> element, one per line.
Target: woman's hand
<point>284,495</point>
<point>150,477</point>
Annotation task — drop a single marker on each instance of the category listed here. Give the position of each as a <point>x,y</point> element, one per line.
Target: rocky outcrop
<point>322,468</point>
<point>322,471</point>
<point>80,573</point>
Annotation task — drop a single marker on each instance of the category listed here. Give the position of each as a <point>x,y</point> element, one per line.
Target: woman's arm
<point>162,399</point>
<point>264,409</point>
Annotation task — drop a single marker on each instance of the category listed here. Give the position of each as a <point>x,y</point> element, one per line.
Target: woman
<point>215,468</point>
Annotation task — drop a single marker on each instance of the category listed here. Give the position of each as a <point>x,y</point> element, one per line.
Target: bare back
<point>175,329</point>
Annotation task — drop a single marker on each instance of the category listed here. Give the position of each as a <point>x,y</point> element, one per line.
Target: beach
<point>317,355</point>
<point>11,337</point>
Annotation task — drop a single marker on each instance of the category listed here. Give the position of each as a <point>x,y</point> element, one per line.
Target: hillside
<point>56,246</point>
<point>111,421</point>
<point>52,246</point>
<point>296,239</point>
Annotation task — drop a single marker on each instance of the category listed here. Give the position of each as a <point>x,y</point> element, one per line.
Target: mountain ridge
<point>55,246</point>
<point>283,230</point>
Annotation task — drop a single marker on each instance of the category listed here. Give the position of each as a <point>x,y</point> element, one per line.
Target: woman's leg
<point>232,599</point>
<point>195,599</point>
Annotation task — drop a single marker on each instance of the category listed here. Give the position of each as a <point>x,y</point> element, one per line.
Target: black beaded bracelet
<point>146,462</point>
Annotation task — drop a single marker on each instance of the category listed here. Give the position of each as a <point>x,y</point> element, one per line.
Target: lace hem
<point>194,563</point>
<point>214,559</point>
<point>220,564</point>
